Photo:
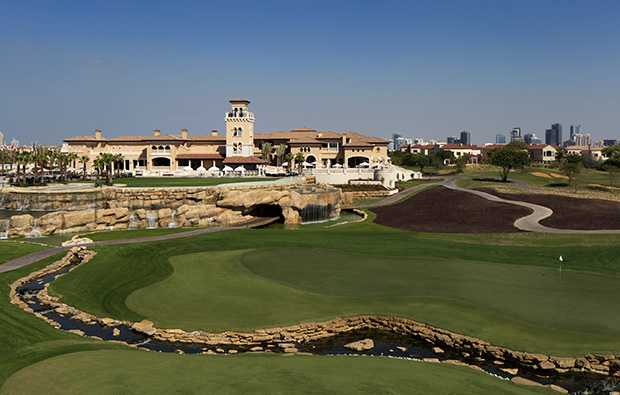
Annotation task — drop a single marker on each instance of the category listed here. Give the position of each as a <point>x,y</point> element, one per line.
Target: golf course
<point>504,288</point>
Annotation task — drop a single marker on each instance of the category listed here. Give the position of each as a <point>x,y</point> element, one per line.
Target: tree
<point>98,165</point>
<point>571,166</point>
<point>611,165</point>
<point>288,157</point>
<point>84,160</point>
<point>280,151</point>
<point>265,149</point>
<point>508,158</point>
<point>461,162</point>
<point>422,161</point>
<point>443,156</point>
<point>518,145</point>
<point>299,159</point>
<point>118,160</point>
<point>71,158</point>
<point>106,160</point>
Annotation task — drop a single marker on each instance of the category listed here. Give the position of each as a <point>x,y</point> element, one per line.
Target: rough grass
<point>148,373</point>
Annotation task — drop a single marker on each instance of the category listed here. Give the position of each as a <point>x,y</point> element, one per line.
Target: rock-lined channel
<point>392,337</point>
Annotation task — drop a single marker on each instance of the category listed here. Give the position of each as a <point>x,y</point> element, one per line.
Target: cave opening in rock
<point>268,210</point>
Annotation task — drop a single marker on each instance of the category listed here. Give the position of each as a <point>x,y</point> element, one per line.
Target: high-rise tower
<point>239,129</point>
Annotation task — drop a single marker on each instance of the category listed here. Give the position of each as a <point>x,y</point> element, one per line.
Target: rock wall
<point>136,208</point>
<point>350,197</point>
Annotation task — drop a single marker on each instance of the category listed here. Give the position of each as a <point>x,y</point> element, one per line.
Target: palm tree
<point>288,157</point>
<point>62,160</point>
<point>118,160</point>
<point>280,151</point>
<point>98,164</point>
<point>299,159</point>
<point>23,159</point>
<point>84,160</point>
<point>106,161</point>
<point>39,159</point>
<point>266,150</point>
<point>71,158</point>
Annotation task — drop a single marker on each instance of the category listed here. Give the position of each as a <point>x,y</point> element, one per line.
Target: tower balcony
<point>240,116</point>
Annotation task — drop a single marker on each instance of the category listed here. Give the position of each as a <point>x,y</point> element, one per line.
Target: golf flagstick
<point>561,260</point>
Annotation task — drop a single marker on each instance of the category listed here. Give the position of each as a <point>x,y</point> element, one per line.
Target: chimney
<point>344,139</point>
<point>184,133</point>
<point>214,133</point>
<point>98,134</point>
<point>156,133</point>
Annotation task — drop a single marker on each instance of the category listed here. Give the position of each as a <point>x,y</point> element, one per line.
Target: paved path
<point>38,255</point>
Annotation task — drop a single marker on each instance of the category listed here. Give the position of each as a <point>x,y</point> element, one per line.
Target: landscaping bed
<point>442,210</point>
<point>570,212</point>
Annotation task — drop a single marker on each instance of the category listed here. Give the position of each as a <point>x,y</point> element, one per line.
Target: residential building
<point>1,139</point>
<point>543,153</point>
<point>500,139</point>
<point>596,153</point>
<point>609,142</point>
<point>452,140</point>
<point>474,153</point>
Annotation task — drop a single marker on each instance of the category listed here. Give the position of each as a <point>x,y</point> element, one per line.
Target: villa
<point>239,148</point>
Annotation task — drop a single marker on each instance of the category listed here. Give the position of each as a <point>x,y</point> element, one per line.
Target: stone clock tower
<point>239,129</point>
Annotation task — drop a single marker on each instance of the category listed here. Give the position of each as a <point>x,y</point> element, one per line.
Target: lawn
<point>506,294</point>
<point>149,373</point>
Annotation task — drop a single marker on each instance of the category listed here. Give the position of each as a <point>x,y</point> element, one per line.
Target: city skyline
<point>417,69</point>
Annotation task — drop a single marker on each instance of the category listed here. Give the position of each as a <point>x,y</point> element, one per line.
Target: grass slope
<point>148,373</point>
<point>104,286</point>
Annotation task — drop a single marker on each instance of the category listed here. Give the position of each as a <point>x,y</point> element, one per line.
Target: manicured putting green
<point>522,307</point>
<point>149,373</point>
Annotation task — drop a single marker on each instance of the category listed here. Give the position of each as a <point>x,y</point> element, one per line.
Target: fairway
<point>149,373</point>
<point>246,290</point>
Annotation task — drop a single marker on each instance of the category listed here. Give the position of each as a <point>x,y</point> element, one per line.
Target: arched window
<point>154,148</point>
<point>167,148</point>
<point>237,132</point>
<point>161,148</point>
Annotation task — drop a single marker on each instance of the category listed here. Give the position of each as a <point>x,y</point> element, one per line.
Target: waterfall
<point>151,217</point>
<point>5,234</point>
<point>34,232</point>
<point>315,212</point>
<point>132,222</point>
<point>172,224</point>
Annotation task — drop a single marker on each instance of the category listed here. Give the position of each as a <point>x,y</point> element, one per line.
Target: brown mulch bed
<point>443,210</point>
<point>570,212</point>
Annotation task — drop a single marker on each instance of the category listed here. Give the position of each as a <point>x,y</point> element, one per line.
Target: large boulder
<point>51,223</point>
<point>21,225</point>
<point>81,218</point>
<point>360,346</point>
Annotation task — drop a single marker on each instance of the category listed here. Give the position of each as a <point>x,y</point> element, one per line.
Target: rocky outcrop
<point>138,208</point>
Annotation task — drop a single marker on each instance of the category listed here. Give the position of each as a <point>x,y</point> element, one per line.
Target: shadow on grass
<point>557,185</point>
<point>489,179</point>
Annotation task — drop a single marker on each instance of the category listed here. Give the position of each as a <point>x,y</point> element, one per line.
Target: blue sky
<point>422,69</point>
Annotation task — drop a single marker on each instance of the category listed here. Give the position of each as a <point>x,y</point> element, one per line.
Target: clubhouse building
<point>240,148</point>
